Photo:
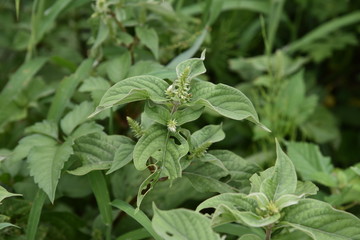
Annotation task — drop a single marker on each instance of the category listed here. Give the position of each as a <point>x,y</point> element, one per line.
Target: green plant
<point>107,117</point>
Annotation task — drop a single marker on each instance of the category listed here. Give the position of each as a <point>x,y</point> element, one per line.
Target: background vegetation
<point>297,61</point>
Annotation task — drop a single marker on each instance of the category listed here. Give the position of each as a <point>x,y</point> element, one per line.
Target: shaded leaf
<point>46,163</point>
<point>182,224</point>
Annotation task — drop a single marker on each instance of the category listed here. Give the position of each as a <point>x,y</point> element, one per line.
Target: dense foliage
<point>179,119</point>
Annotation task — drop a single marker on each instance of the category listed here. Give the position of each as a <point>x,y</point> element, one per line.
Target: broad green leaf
<point>161,114</point>
<point>157,138</point>
<point>310,163</point>
<point>66,89</point>
<point>181,224</point>
<point>223,214</point>
<point>133,89</point>
<point>195,65</point>
<point>291,100</point>
<point>99,151</point>
<point>287,200</point>
<point>45,127</point>
<point>232,200</point>
<point>306,188</point>
<point>283,180</point>
<point>250,237</point>
<point>240,170</point>
<point>188,114</point>
<point>123,155</point>
<point>256,180</point>
<point>204,183</point>
<point>118,67</point>
<point>5,225</point>
<point>46,163</point>
<point>320,221</point>
<point>208,134</point>
<point>321,126</point>
<point>13,163</point>
<point>139,216</point>
<point>5,194</point>
<point>224,100</point>
<point>94,84</point>
<point>76,116</point>
<point>149,38</point>
<point>240,230</point>
<point>158,113</point>
<point>86,129</point>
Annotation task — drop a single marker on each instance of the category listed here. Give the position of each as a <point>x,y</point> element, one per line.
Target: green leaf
<point>99,187</point>
<point>35,213</point>
<point>118,68</point>
<point>283,180</point>
<point>204,183</point>
<point>17,7</point>
<point>148,184</point>
<point>102,35</point>
<point>196,66</point>
<point>66,89</point>
<point>324,30</point>
<point>86,129</point>
<point>240,170</point>
<point>158,113</point>
<point>19,81</point>
<point>99,151</point>
<point>139,216</point>
<point>137,234</point>
<point>76,116</point>
<point>306,188</point>
<point>320,221</point>
<point>191,51</point>
<point>250,237</point>
<point>149,38</point>
<point>45,127</point>
<point>5,225</point>
<point>94,84</point>
<point>156,138</point>
<point>133,89</point>
<point>208,134</point>
<point>46,163</point>
<point>224,100</point>
<point>232,200</point>
<point>182,224</point>
<point>223,214</point>
<point>311,164</point>
<point>188,114</point>
<point>123,155</point>
<point>5,194</point>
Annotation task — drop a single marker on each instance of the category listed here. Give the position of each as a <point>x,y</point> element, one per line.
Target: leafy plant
<point>110,128</point>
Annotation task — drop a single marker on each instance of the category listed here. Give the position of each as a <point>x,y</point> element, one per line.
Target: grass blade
<point>324,30</point>
<point>139,216</point>
<point>35,214</point>
<point>100,189</point>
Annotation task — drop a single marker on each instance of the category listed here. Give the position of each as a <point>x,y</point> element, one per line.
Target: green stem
<point>268,232</point>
